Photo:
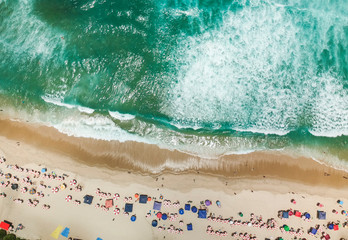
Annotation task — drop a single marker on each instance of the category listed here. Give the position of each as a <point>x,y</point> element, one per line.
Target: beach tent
<point>321,215</point>
<point>154,223</point>
<point>298,214</point>
<point>187,207</point>
<point>65,232</point>
<point>181,211</point>
<point>133,218</point>
<point>202,213</point>
<point>109,203</point>
<point>128,207</point>
<point>55,233</point>
<point>164,216</point>
<point>4,226</point>
<point>285,214</point>
<point>189,227</point>
<point>88,199</point>
<point>314,231</point>
<point>143,199</point>
<point>194,209</point>
<point>157,205</point>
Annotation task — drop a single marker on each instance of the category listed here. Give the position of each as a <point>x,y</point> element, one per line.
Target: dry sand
<point>260,183</point>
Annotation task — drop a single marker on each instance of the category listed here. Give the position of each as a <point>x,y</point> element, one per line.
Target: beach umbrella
<point>43,170</point>
<point>307,215</point>
<point>340,202</point>
<point>159,215</point>
<point>164,216</point>
<point>330,226</point>
<point>218,203</point>
<point>68,198</point>
<point>24,189</point>
<point>240,214</point>
<point>133,218</point>
<point>149,199</point>
<point>73,182</point>
<point>154,223</point>
<point>14,186</point>
<point>181,211</point>
<point>194,209</point>
<point>32,191</point>
<point>136,195</point>
<point>63,186</point>
<point>291,213</point>
<point>207,202</point>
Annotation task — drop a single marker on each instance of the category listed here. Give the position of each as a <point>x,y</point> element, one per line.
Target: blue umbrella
<point>330,226</point>
<point>194,209</point>
<point>164,216</point>
<point>133,218</point>
<point>154,223</point>
<point>307,215</point>
<point>181,211</point>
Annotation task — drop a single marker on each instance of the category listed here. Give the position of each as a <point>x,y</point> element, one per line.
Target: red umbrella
<point>291,213</point>
<point>159,215</point>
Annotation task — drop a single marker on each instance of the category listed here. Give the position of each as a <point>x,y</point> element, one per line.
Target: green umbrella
<point>240,214</point>
<point>286,228</point>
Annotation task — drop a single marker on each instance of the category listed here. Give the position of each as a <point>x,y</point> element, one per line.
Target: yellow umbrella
<point>63,186</point>
<point>55,233</point>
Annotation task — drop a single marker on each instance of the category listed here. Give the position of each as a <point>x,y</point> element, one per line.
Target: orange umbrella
<point>136,195</point>
<point>149,199</point>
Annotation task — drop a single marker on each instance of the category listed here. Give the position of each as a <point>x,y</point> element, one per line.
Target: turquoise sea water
<point>208,77</point>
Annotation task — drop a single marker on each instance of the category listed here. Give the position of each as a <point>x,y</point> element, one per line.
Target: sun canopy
<point>143,199</point>
<point>4,225</point>
<point>187,207</point>
<point>88,199</point>
<point>157,206</point>
<point>189,227</point>
<point>55,233</point>
<point>128,207</point>
<point>285,214</point>
<point>202,213</point>
<point>65,232</point>
<point>298,214</point>
<point>335,227</point>
<point>314,231</point>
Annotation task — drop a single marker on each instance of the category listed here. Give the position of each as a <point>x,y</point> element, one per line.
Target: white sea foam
<point>257,72</point>
<point>24,33</point>
<point>58,102</point>
<point>121,116</point>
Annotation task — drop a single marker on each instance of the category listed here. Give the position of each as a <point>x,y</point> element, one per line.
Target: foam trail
<point>121,116</point>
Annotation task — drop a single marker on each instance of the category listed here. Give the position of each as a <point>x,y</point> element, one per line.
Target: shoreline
<point>147,159</point>
<point>246,190</point>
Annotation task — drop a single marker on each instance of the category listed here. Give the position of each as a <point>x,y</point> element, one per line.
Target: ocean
<point>200,76</point>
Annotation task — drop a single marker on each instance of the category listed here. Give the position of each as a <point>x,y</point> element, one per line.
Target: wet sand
<point>147,159</point>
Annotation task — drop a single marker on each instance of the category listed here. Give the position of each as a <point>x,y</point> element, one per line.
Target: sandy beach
<point>256,185</point>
